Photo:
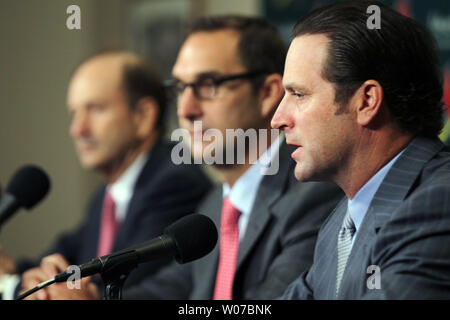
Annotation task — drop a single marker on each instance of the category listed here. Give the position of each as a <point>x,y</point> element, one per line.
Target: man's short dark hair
<point>401,56</point>
<point>260,46</point>
<point>141,80</point>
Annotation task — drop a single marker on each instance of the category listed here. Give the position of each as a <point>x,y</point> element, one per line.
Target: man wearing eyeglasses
<point>227,77</point>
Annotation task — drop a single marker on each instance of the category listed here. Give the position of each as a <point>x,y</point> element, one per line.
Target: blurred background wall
<point>38,53</point>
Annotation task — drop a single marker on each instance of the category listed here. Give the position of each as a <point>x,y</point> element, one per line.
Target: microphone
<point>27,187</point>
<point>187,239</point>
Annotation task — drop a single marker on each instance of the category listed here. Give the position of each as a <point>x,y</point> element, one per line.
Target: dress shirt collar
<point>359,205</point>
<point>122,190</point>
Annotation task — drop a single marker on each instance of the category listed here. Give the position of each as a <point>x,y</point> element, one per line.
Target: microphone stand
<point>113,287</point>
<point>114,272</point>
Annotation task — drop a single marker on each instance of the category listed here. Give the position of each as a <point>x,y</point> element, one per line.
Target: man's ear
<point>368,101</point>
<point>146,116</point>
<point>271,93</point>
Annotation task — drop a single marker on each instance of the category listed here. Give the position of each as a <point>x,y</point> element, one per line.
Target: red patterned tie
<point>108,226</point>
<point>229,247</point>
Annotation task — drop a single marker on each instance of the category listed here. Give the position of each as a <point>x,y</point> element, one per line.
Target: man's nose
<point>281,118</point>
<point>189,106</point>
<point>79,126</point>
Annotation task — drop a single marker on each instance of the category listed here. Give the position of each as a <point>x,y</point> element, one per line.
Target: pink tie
<point>108,226</point>
<point>229,247</point>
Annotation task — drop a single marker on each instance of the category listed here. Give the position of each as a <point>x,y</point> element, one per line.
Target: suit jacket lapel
<point>135,205</point>
<point>213,210</point>
<point>401,177</point>
<point>325,259</point>
<point>95,214</point>
<point>269,191</point>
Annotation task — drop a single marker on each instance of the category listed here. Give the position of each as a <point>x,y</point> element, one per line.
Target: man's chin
<point>224,166</point>
<point>305,174</point>
<point>300,175</point>
<point>89,163</point>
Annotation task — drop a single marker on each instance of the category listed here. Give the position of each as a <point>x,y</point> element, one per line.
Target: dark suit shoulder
<point>410,247</point>
<point>160,163</point>
<point>437,170</point>
<point>161,175</point>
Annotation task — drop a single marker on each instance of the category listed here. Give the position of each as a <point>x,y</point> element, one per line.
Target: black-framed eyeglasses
<point>206,86</point>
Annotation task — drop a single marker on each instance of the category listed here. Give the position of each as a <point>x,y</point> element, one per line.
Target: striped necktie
<point>344,246</point>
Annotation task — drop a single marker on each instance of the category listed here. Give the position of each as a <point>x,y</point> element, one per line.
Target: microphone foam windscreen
<point>29,185</point>
<point>195,235</point>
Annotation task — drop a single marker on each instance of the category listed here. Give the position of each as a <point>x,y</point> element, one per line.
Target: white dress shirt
<point>122,190</point>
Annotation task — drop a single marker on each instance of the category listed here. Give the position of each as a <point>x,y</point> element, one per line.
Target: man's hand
<point>51,266</point>
<point>31,279</point>
<point>86,291</point>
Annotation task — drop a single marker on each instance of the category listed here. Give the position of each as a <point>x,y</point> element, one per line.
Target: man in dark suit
<point>116,103</point>
<point>363,108</point>
<point>228,77</point>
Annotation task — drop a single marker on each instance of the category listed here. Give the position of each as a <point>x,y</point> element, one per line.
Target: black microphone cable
<point>37,288</point>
